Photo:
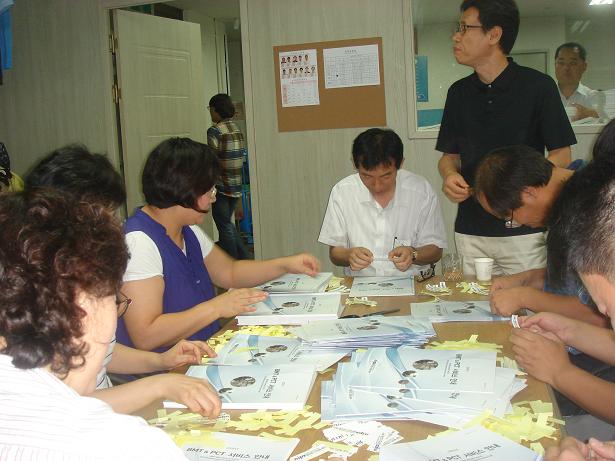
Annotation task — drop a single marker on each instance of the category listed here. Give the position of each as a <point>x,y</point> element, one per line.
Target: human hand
<point>303,263</point>
<point>541,357</point>
<point>507,301</point>
<point>238,301</point>
<point>401,257</point>
<point>185,353</point>
<point>583,112</point>
<point>603,451</point>
<point>197,394</point>
<point>506,281</point>
<point>456,188</point>
<point>570,449</point>
<point>560,326</point>
<point>359,258</point>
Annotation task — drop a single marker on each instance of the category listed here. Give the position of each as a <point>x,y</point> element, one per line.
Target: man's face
<point>379,180</point>
<point>602,292</point>
<point>472,45</point>
<point>569,67</point>
<point>533,211</point>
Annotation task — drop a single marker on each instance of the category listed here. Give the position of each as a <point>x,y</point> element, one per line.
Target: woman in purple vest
<point>173,263</point>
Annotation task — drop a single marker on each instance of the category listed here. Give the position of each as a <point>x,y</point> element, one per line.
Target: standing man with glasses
<point>499,104</point>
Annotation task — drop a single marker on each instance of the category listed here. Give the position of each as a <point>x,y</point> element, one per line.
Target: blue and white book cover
<point>455,311</point>
<point>405,369</point>
<point>273,350</point>
<point>365,327</point>
<point>473,444</point>
<point>298,283</point>
<point>274,387</point>
<point>293,309</point>
<point>231,447</point>
<point>383,286</point>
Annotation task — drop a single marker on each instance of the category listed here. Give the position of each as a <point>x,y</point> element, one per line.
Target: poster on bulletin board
<point>420,72</point>
<point>324,85</point>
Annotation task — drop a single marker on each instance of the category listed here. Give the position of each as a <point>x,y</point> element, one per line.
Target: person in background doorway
<point>579,100</point>
<point>227,141</point>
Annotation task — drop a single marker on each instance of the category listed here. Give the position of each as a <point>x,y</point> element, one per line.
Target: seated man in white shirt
<point>382,220</point>
<point>579,100</point>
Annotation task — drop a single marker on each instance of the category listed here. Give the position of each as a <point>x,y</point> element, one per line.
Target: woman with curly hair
<point>61,264</point>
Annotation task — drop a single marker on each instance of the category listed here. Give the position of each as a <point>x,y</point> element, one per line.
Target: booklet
<point>473,444</point>
<point>293,309</point>
<point>405,369</point>
<point>455,311</point>
<point>298,283</point>
<point>383,286</point>
<point>365,332</point>
<point>273,387</point>
<point>244,447</point>
<point>273,350</point>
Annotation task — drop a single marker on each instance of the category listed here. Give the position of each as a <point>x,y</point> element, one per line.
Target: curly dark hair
<point>52,249</point>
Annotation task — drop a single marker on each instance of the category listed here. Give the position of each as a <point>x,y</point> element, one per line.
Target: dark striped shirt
<point>226,139</point>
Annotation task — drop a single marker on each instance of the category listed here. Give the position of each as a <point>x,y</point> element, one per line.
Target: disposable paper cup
<point>483,268</point>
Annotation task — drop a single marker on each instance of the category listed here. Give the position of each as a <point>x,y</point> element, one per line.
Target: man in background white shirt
<point>579,100</point>
<point>382,220</point>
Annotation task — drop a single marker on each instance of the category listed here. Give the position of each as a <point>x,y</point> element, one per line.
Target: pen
<point>355,316</point>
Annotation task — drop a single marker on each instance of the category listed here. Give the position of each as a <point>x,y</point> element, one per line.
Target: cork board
<point>347,107</point>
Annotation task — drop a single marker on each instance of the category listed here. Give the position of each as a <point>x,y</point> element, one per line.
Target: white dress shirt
<point>584,96</point>
<point>42,418</point>
<point>354,219</point>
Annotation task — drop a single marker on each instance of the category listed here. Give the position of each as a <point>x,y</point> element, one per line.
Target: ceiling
<point>437,11</point>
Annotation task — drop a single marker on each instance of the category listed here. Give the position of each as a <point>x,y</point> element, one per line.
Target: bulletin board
<point>348,107</point>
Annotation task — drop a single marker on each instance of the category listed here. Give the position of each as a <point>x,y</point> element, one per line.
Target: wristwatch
<point>415,255</point>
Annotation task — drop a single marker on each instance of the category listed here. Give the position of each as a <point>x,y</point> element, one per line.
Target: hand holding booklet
<point>473,444</point>
<point>293,309</point>
<point>273,350</point>
<point>249,387</point>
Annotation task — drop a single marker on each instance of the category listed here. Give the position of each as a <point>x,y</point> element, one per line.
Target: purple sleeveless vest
<point>186,280</point>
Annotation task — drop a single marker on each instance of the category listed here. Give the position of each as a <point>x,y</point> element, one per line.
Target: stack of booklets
<point>473,444</point>
<point>455,311</point>
<point>350,334</point>
<point>293,309</point>
<point>249,387</point>
<point>273,350</point>
<point>383,286</point>
<point>298,283</point>
<point>443,387</point>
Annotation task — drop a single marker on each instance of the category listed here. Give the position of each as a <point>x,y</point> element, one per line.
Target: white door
<point>161,84</point>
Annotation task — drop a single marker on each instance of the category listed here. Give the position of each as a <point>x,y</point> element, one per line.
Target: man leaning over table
<point>382,220</point>
<point>499,104</point>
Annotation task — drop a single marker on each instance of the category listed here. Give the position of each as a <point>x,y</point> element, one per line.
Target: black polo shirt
<point>521,106</point>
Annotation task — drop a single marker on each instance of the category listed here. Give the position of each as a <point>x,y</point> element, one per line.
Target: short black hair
<point>586,219</point>
<point>223,104</point>
<point>604,146</point>
<point>573,46</point>
<point>177,172</point>
<point>74,170</point>
<point>503,13</point>
<point>505,172</point>
<point>377,146</point>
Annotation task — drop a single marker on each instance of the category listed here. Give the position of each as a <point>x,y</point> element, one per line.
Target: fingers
<point>604,449</point>
<point>200,398</point>
<point>360,258</point>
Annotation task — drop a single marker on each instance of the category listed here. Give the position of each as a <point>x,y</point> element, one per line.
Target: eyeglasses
<point>510,223</point>
<point>212,192</point>
<point>461,28</point>
<point>122,302</point>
